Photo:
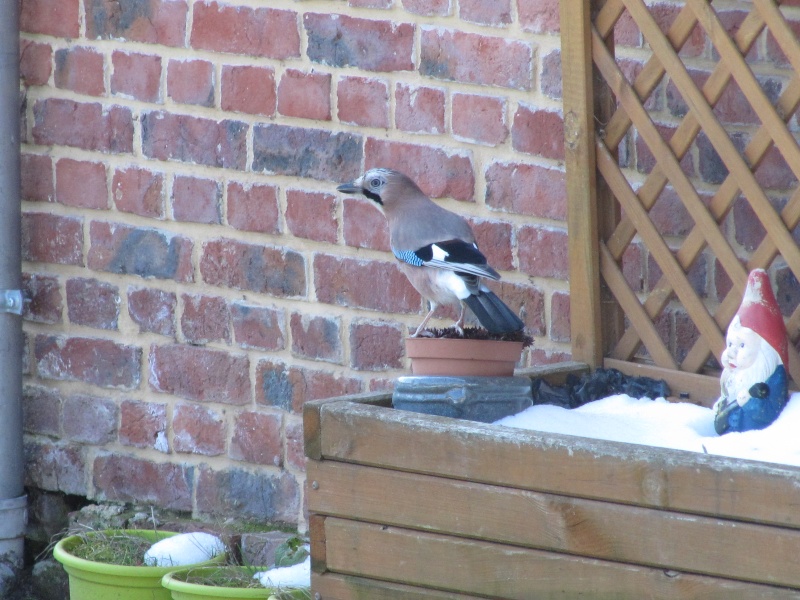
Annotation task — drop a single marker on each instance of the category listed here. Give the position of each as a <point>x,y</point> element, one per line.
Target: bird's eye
<point>375,183</point>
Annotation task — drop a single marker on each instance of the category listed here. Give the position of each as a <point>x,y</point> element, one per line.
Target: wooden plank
<point>578,108</point>
<point>562,464</point>
<point>511,573</point>
<point>311,419</point>
<point>556,373</point>
<point>557,523</point>
<point>332,586</point>
<point>689,387</point>
<point>316,536</point>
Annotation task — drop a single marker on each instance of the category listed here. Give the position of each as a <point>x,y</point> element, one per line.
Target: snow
<point>660,423</point>
<point>184,549</point>
<point>296,576</point>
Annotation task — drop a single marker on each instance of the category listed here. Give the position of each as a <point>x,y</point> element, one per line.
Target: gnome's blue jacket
<point>766,403</point>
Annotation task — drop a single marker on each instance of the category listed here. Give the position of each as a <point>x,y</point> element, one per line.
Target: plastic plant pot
<point>183,590</point>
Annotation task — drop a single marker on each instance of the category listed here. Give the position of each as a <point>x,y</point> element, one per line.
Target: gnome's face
<point>743,347</point>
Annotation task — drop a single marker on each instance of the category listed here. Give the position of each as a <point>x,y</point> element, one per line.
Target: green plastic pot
<point>182,590</point>
<point>89,580</point>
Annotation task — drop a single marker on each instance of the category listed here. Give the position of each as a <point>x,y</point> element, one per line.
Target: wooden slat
<point>332,586</point>
<point>506,572</point>
<point>589,528</point>
<point>780,30</point>
<point>578,108</point>
<point>691,387</point>
<point>561,464</point>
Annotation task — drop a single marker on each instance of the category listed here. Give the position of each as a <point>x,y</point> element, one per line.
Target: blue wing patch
<point>408,256</point>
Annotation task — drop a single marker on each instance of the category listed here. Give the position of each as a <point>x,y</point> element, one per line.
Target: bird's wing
<point>451,255</point>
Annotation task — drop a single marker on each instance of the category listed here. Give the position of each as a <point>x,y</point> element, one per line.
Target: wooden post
<point>582,222</point>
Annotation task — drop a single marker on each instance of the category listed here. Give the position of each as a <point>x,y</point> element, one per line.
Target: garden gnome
<point>753,383</point>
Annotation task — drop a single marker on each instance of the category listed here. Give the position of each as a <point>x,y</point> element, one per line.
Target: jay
<point>436,249</point>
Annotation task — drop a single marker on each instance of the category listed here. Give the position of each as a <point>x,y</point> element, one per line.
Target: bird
<point>436,250</point>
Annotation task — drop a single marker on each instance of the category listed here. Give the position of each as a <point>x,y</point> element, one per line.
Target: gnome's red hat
<point>759,311</point>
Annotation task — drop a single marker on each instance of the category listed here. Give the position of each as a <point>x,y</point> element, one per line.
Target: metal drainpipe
<point>13,502</point>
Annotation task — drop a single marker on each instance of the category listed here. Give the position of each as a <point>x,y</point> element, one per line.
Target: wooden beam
<point>582,220</point>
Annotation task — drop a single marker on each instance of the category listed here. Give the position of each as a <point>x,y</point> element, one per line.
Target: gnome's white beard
<point>735,381</point>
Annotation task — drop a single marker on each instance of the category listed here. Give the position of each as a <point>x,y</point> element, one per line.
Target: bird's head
<point>381,186</point>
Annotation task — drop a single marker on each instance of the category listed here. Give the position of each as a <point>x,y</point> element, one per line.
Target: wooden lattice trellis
<point>612,322</point>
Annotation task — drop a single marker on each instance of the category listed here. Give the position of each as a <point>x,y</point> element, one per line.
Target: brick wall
<point>194,277</point>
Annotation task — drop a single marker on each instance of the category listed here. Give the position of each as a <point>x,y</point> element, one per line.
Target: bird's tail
<point>492,313</point>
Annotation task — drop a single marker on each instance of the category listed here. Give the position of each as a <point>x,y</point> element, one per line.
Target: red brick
<point>428,8</point>
<point>52,239</point>
<point>539,16</point>
<point>645,161</point>
<point>249,90</point>
<point>527,190</point>
<point>474,58</point>
<point>305,95</point>
<point>686,334</point>
<point>264,32</point>
<point>495,239</point>
<point>152,310</point>
<point>99,362</point>
<point>89,419</point>
<point>35,63</point>
<point>253,207</point>
<point>480,119</point>
<point>262,269</point>
<point>438,173</point>
<point>352,283</point>
<point>485,12</point>
<point>538,132</point>
<point>143,424</point>
<point>543,252</point>
<point>93,303</point>
<point>145,252</point>
<point>551,76</point>
<point>312,215</point>
<point>633,266</point>
<point>342,41</point>
<point>139,191</point>
<point>543,357</point>
<point>257,439</point>
<point>80,70</point>
<point>41,410</point>
<point>559,317</point>
<point>191,82</point>
<point>43,302</point>
<point>262,496</point>
<point>419,109</point>
<point>773,172</point>
<point>205,319</point>
<point>364,225</point>
<point>376,346</point>
<point>370,3</point>
<point>190,139</point>
<point>136,76</point>
<point>89,126</point>
<point>58,18</point>
<point>669,214</point>
<point>664,14</point>
<point>257,327</point>
<point>525,300</point>
<point>774,53</point>
<point>81,184</point>
<point>196,200</point>
<point>626,32</point>
<point>317,337</point>
<point>200,374</point>
<point>748,229</point>
<point>295,450</point>
<point>36,178</point>
<point>198,430</point>
<point>136,480</point>
<point>289,388</point>
<point>55,467</point>
<point>151,21</point>
<point>363,101</point>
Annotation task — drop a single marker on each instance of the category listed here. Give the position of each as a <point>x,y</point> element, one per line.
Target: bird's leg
<point>459,325</point>
<point>424,321</point>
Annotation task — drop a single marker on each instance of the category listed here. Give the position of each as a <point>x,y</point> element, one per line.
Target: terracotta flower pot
<point>463,357</point>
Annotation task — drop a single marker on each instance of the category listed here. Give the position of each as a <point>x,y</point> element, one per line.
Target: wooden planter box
<point>411,506</point>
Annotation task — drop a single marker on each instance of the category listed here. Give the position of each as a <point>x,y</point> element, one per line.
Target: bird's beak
<point>354,187</point>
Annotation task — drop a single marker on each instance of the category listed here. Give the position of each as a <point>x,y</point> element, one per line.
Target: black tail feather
<point>493,314</point>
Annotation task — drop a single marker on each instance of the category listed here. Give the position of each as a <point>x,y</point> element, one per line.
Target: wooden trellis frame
<point>606,212</point>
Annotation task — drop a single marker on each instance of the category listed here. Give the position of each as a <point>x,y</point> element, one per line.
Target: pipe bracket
<point>11,301</point>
